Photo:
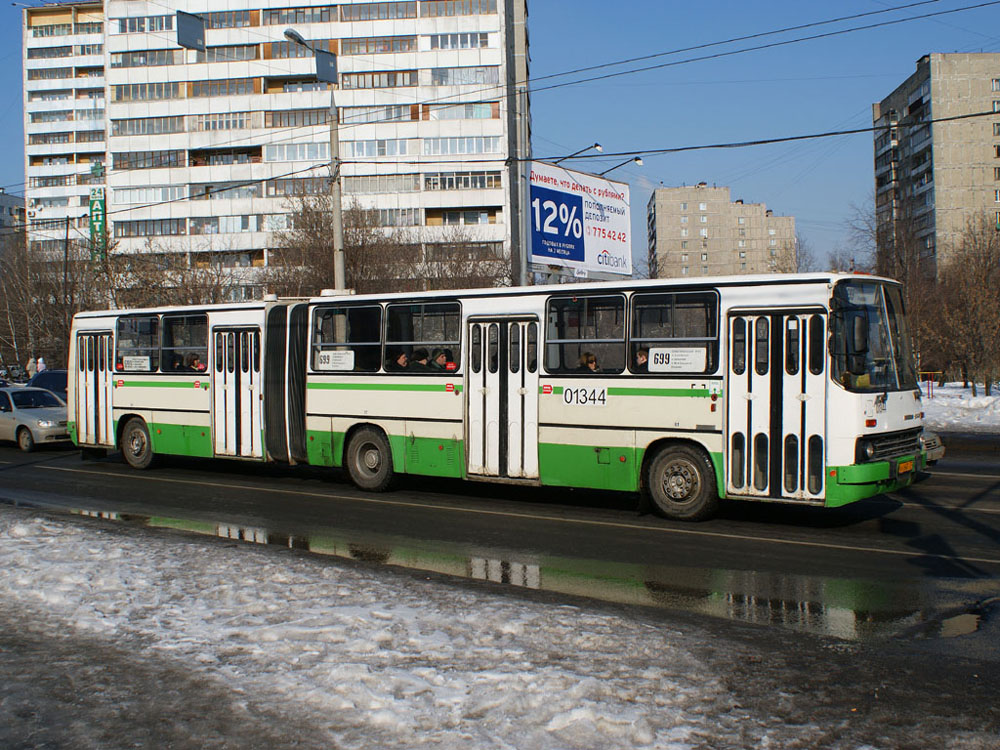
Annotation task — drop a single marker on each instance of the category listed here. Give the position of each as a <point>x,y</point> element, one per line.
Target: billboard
<point>578,221</point>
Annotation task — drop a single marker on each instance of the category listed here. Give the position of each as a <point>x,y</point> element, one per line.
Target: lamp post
<point>634,160</point>
<point>326,70</point>
<point>597,147</point>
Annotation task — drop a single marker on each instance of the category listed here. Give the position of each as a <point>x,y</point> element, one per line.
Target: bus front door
<point>502,398</point>
<point>236,392</point>
<point>776,413</point>
<point>94,387</point>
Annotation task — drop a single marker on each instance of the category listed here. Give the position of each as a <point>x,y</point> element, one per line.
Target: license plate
<point>904,467</point>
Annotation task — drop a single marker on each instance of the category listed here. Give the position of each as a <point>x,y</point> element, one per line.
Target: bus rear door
<point>94,388</point>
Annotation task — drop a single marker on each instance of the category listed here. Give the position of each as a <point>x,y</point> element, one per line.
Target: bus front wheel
<point>369,460</point>
<point>681,483</point>
<point>136,446</point>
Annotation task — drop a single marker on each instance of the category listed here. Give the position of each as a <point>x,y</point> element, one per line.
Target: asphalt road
<point>922,563</point>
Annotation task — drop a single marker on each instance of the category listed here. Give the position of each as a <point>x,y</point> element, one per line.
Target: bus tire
<point>25,440</point>
<point>681,482</point>
<point>369,460</point>
<point>136,446</point>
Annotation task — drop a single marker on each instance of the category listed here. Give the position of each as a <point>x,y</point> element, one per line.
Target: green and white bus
<point>795,388</point>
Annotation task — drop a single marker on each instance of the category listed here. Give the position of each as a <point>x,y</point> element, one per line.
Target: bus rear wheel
<point>135,444</point>
<point>369,460</point>
<point>681,482</point>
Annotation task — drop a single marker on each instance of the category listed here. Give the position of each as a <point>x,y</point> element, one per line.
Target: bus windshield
<point>869,339</point>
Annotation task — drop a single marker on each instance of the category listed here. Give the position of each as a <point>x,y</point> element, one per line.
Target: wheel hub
<point>680,482</point>
<point>371,458</point>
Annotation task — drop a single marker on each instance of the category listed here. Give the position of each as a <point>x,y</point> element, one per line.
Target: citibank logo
<point>605,258</point>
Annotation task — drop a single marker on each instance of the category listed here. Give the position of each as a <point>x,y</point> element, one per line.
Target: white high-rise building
<point>64,119</point>
<point>205,149</point>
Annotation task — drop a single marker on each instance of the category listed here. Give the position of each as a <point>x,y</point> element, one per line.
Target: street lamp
<point>597,147</point>
<point>326,70</point>
<point>635,160</point>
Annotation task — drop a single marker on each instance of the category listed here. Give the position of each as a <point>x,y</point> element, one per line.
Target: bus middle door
<point>502,399</point>
<point>236,393</point>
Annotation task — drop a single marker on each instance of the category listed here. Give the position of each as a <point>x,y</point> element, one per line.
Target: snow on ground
<point>371,659</point>
<point>952,408</point>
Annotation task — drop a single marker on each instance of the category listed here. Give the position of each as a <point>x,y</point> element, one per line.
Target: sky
<point>813,86</point>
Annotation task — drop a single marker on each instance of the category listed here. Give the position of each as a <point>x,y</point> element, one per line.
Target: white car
<point>931,446</point>
<point>31,416</point>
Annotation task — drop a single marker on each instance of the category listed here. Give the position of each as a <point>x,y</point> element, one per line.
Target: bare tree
<point>967,307</point>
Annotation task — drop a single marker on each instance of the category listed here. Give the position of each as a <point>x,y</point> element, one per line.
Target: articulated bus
<point>797,388</point>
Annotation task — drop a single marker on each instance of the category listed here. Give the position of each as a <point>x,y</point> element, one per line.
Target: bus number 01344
<point>586,396</point>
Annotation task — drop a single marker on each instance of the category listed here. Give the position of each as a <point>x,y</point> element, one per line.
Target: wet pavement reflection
<point>852,610</point>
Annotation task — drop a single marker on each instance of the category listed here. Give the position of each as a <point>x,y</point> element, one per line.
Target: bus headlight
<point>45,423</point>
<point>864,450</point>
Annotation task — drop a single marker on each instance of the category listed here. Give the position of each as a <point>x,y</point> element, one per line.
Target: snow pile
<point>373,659</point>
<point>952,408</point>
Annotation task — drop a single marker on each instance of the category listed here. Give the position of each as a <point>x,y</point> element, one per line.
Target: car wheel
<point>135,444</point>
<point>25,440</point>
<point>369,460</point>
<point>681,483</point>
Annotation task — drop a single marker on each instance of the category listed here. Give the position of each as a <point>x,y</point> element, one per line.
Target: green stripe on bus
<point>557,390</point>
<point>160,384</point>
<point>661,392</point>
<point>425,387</point>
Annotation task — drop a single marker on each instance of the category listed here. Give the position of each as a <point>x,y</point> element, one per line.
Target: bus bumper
<point>848,484</point>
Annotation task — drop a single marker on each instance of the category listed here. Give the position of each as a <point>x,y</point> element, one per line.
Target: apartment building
<point>12,214</point>
<point>932,175</point>
<point>699,231</point>
<point>64,119</point>
<point>206,150</point>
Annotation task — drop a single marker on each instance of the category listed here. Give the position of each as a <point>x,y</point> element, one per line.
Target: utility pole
<point>326,70</point>
<point>65,281</point>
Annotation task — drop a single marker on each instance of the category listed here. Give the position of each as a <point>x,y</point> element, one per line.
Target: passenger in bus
<point>176,363</point>
<point>418,363</point>
<point>588,363</point>
<point>439,359</point>
<point>398,363</point>
<point>194,363</point>
<point>641,361</point>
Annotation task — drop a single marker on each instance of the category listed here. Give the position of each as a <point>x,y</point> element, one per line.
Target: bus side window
<point>347,339</point>
<point>591,324</point>
<point>817,351</point>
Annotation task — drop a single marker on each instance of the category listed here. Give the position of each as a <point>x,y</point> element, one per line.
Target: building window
<point>703,232</point>
<point>684,244</point>
<point>996,173</point>
<point>684,257</point>
<point>703,219</point>
<point>702,206</point>
<point>462,145</point>
<point>684,233</point>
<point>147,58</point>
<point>376,45</point>
<point>383,80</point>
<point>771,232</point>
<point>295,118</point>
<point>48,53</point>
<point>684,220</point>
<point>298,15</point>
<point>996,105</point>
<point>475,40</point>
<point>227,19</point>
<point>704,270</point>
<point>301,151</point>
<point>49,74</point>
<point>684,270</point>
<point>477,75</point>
<point>230,87</point>
<point>377,147</point>
<point>231,53</point>
<point>996,196</point>
<point>996,84</point>
<point>142,24</point>
<point>996,128</point>
<point>140,92</point>
<point>741,220</point>
<point>221,121</point>
<point>381,113</point>
<point>684,207</point>
<point>439,8</point>
<point>377,11</point>
<point>704,256</point>
<point>462,180</point>
<point>385,183</point>
<point>479,111</point>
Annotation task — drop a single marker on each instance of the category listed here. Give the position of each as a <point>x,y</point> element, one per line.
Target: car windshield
<point>34,399</point>
<point>869,340</point>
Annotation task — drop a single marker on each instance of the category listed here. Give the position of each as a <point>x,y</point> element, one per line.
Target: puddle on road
<point>843,608</point>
